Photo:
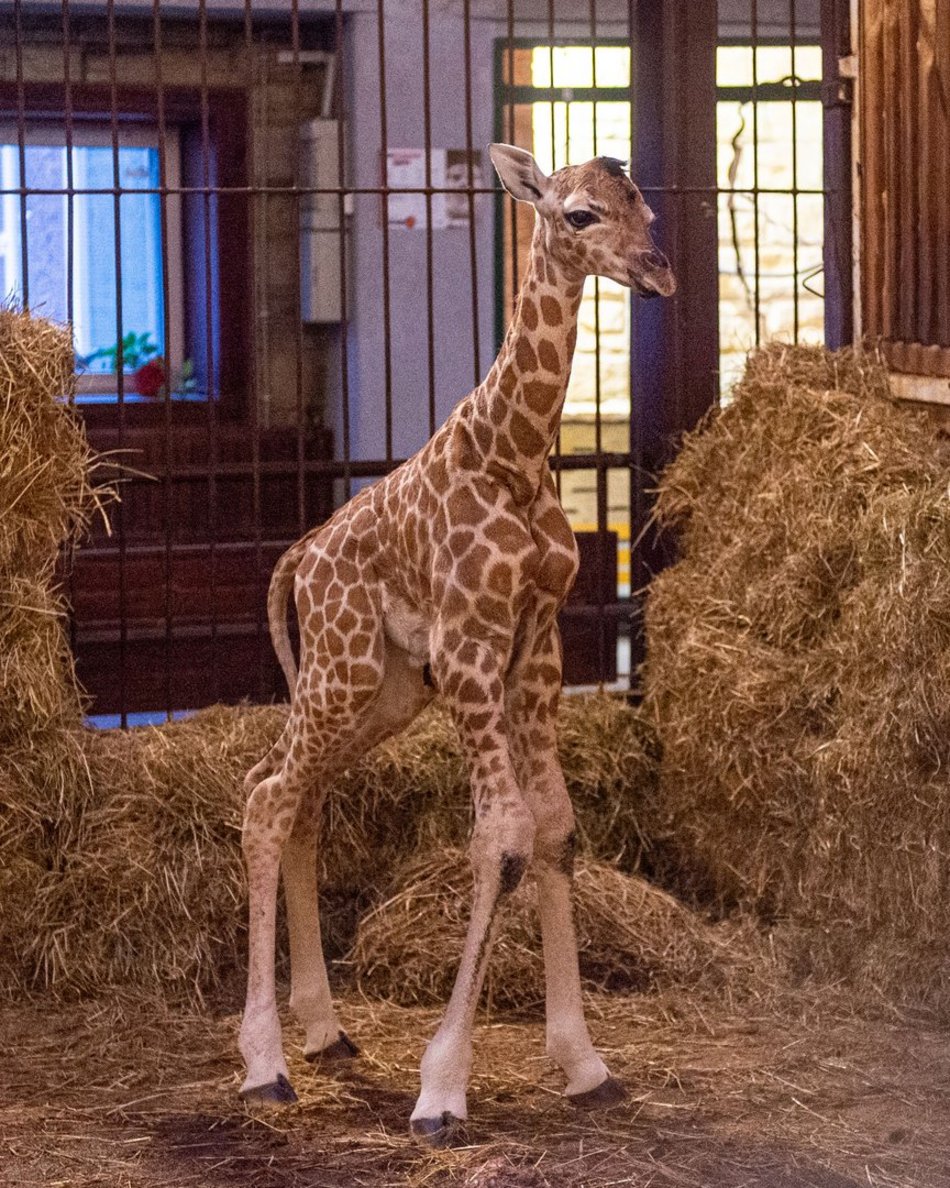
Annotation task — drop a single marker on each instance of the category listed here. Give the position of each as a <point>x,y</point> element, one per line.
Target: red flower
<point>150,378</point>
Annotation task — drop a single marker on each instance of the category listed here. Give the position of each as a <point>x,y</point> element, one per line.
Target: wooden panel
<point>905,130</point>
<point>590,643</point>
<point>175,617</point>
<point>167,488</point>
<point>148,674</point>
<point>190,586</point>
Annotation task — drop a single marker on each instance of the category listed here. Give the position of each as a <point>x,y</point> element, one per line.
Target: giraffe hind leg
<point>340,679</point>
<point>401,695</point>
<point>270,763</point>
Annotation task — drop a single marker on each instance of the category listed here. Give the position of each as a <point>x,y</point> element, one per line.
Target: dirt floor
<point>792,1093</point>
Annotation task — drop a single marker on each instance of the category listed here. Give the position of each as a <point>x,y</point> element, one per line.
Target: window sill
<point>84,399</point>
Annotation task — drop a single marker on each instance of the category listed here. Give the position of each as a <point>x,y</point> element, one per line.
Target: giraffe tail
<point>278,593</point>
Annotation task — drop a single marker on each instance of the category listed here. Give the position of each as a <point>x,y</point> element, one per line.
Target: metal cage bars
<point>240,452</point>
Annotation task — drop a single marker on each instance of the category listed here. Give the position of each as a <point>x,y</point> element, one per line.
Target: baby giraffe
<point>447,576</point>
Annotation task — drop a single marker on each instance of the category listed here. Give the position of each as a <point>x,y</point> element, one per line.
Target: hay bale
<point>631,937</point>
<point>45,461</point>
<point>151,887</point>
<point>150,890</point>
<point>798,669</point>
<point>45,501</point>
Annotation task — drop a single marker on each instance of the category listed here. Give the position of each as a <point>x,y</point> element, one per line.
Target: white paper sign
<point>448,169</point>
<point>406,169</point>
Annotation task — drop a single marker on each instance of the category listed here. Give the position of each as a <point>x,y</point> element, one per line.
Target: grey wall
<point>452,323</point>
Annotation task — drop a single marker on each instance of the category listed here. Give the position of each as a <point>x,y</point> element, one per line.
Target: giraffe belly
<point>405,626</point>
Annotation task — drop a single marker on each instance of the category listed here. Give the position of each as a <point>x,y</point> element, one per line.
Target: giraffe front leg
<point>321,727</point>
<point>533,699</point>
<point>500,851</point>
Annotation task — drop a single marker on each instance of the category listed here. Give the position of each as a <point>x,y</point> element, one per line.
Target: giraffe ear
<point>519,173</point>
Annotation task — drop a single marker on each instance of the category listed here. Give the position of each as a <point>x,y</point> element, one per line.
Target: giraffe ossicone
<point>447,576</point>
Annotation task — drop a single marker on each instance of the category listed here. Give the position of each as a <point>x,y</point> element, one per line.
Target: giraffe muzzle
<point>651,275</point>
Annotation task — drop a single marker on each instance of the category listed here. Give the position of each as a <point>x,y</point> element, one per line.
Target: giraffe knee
<point>502,848</point>
<point>566,853</point>
<point>513,866</point>
<point>556,844</point>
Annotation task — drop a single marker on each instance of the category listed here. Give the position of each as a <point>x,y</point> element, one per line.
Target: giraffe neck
<point>522,398</point>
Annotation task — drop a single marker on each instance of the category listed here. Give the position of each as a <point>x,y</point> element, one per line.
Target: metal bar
<point>510,206</point>
<point>340,113</point>
<point>387,280</point>
<point>70,238</point>
<point>792,37</point>
<point>636,495</point>
<point>554,165</point>
<point>190,630</point>
<point>120,354</point>
<point>359,468</point>
<point>70,198</point>
<point>225,548</point>
<point>756,191</point>
<point>778,92</point>
<point>430,277</point>
<point>342,191</point>
<point>212,382</point>
<point>184,630</point>
<point>601,486</point>
<point>302,517</point>
<point>254,396</point>
<point>21,150</point>
<point>168,490</point>
<point>470,152</point>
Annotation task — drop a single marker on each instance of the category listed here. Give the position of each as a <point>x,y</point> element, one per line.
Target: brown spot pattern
<point>551,311</point>
<point>547,354</point>
<point>525,355</point>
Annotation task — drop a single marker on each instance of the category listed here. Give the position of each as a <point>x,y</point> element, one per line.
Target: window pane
<point>770,247</point>
<point>773,64</point>
<point>581,66</point>
<point>94,282</point>
<point>778,168</point>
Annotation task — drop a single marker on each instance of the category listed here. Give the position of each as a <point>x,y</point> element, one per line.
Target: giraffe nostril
<point>654,260</point>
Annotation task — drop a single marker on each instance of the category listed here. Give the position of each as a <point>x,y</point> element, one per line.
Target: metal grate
<point>278,241</point>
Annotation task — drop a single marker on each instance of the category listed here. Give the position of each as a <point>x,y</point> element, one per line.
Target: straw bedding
<point>798,670</point>
<point>45,500</point>
<point>632,937</point>
<point>151,888</point>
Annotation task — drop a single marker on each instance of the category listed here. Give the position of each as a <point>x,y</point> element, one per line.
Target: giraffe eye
<point>579,219</point>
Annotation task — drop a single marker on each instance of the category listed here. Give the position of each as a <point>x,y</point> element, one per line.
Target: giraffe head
<point>593,219</point>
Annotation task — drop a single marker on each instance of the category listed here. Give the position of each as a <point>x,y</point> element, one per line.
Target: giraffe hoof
<point>444,1131</point>
<point>270,1097</point>
<point>342,1048</point>
<point>608,1093</point>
